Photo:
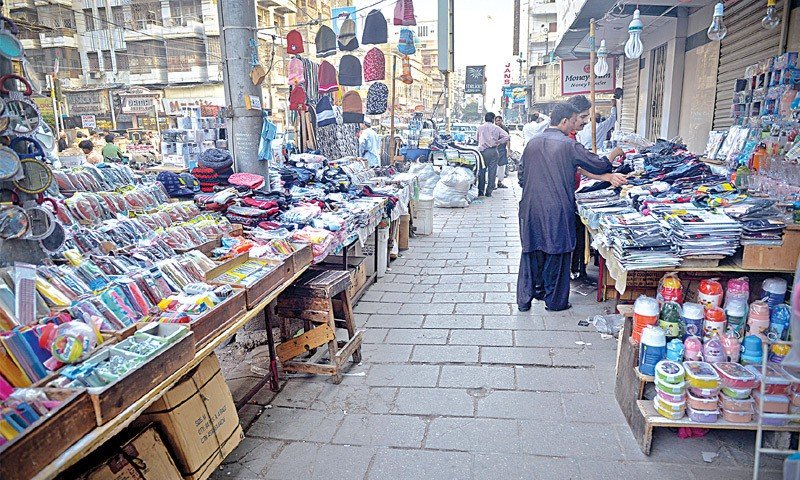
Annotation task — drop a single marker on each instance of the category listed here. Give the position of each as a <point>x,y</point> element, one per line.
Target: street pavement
<point>455,383</point>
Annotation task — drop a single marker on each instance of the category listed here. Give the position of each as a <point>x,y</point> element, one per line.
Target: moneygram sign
<point>575,77</point>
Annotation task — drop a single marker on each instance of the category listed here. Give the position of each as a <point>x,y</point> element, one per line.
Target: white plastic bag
<point>427,177</point>
<point>453,188</point>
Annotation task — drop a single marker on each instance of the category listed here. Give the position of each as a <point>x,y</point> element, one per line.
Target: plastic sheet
<point>428,177</point>
<point>453,188</point>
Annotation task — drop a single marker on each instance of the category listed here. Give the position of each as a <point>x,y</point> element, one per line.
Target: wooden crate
<point>356,265</point>
<point>259,290</point>
<point>301,259</point>
<point>782,258</point>
<point>48,437</point>
<point>208,324</point>
<point>205,247</point>
<point>112,399</point>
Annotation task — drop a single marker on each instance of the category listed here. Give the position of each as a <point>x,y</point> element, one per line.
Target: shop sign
<point>340,14</point>
<point>45,106</point>
<point>474,81</point>
<point>175,106</point>
<point>507,74</point>
<point>88,121</point>
<point>515,94</point>
<point>138,104</point>
<point>575,77</point>
<point>89,102</point>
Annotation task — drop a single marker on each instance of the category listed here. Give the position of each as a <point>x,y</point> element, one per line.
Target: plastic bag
<point>608,324</point>
<point>428,178</point>
<point>791,364</point>
<point>453,188</point>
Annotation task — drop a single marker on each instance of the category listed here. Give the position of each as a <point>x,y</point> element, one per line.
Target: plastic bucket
<point>383,251</point>
<point>423,216</point>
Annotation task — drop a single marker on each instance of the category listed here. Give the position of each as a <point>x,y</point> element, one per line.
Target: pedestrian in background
<point>369,144</point>
<point>537,123</point>
<point>490,136</point>
<point>503,151</point>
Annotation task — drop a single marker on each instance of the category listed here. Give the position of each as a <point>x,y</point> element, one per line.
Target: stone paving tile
<point>250,460</point>
<point>386,353</point>
<point>539,406</point>
<point>509,322</point>
<point>460,297</point>
<point>380,320</point>
<point>516,356</point>
<point>404,297</point>
<point>484,287</point>
<point>382,431</point>
<point>391,464</point>
<point>445,354</point>
<point>434,401</point>
<point>292,424</point>
<point>403,375</point>
<point>452,321</point>
<point>499,338</point>
<point>483,376</point>
<point>375,335</point>
<point>571,440</point>
<point>484,435</point>
<point>377,307</point>
<point>314,461</point>
<point>546,339</point>
<point>551,379</point>
<point>355,399</point>
<point>594,408</point>
<point>428,336</point>
<point>427,308</point>
<point>482,308</point>
<point>504,466</point>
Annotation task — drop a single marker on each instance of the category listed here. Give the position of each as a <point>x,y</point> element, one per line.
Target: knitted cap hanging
<point>352,107</point>
<point>347,36</point>
<point>406,75</point>
<point>325,41</point>
<point>405,45</point>
<point>374,65</point>
<point>297,99</point>
<point>294,43</point>
<point>404,13</point>
<point>375,29</point>
<point>349,71</point>
<point>325,115</point>
<point>377,98</point>
<point>295,74</point>
<point>327,78</point>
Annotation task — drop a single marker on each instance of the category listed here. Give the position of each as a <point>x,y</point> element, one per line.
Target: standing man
<point>110,150</point>
<point>503,151</point>
<point>537,123</point>
<point>490,136</point>
<point>369,144</point>
<point>603,128</point>
<point>547,209</point>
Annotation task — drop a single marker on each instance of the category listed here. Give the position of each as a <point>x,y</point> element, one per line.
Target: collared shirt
<point>369,147</point>
<point>547,208</point>
<point>585,135</point>
<point>534,128</point>
<point>490,135</point>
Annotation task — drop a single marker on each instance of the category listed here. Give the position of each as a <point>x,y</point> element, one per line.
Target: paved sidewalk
<point>457,384</point>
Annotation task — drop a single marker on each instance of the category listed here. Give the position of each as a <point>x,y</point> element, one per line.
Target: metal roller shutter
<point>630,95</point>
<point>746,43</point>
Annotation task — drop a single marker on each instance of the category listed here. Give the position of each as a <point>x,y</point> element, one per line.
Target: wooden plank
<point>315,368</point>
<point>315,316</point>
<point>648,412</point>
<point>310,340</point>
<point>350,348</point>
<point>312,303</point>
<point>100,435</point>
<point>627,387</point>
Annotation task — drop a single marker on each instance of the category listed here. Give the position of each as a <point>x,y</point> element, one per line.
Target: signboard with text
<point>474,79</point>
<point>139,104</point>
<point>88,102</point>
<point>575,77</point>
<point>89,121</point>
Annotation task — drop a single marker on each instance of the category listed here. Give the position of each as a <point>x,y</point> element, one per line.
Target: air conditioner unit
<point>95,75</point>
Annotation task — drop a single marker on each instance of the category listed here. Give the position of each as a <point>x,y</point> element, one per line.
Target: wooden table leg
<point>273,358</point>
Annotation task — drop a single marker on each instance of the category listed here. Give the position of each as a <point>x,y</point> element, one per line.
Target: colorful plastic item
<point>772,403</point>
<point>670,289</point>
<point>701,375</point>
<point>758,319</point>
<point>736,404</point>
<point>752,352</point>
<point>652,349</point>
<point>675,350</point>
<point>776,383</point>
<point>701,403</point>
<point>731,346</point>
<point>738,288</point>
<point>670,320</point>
<point>714,322</point>
<point>670,372</point>
<point>737,416</point>
<point>702,416</point>
<point>645,312</point>
<point>671,388</point>
<point>734,375</point>
<point>673,407</point>
<point>664,412</point>
<point>713,352</point>
<point>779,320</point>
<point>736,311</point>
<point>671,397</point>
<point>773,290</point>
<point>693,349</point>
<point>705,392</point>
<point>710,293</point>
<point>693,316</point>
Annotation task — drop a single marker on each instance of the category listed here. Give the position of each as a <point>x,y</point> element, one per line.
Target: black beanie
<point>325,41</point>
<point>375,29</point>
<point>350,71</point>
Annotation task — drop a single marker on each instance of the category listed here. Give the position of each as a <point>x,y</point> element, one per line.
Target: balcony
<point>156,76</point>
<point>20,4</point>
<point>540,8</point>
<point>46,3</point>
<point>282,7</point>
<point>193,75</point>
<point>88,4</point>
<point>144,31</point>
<point>183,27</point>
<point>59,38</point>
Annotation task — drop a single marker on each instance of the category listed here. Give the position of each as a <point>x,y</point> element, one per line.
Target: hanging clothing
<point>268,132</point>
<point>338,140</point>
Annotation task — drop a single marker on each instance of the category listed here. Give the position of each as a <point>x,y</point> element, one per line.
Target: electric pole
<point>238,25</point>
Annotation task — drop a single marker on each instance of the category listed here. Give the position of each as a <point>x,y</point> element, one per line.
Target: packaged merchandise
<point>701,375</point>
<point>710,293</point>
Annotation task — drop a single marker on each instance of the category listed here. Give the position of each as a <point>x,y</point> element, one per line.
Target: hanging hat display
<point>327,78</point>
<point>377,98</point>
<point>406,75</point>
<point>295,75</point>
<point>349,71</point>
<point>347,36</point>
<point>404,13</point>
<point>325,114</point>
<point>375,29</point>
<point>294,43</point>
<point>297,99</point>
<point>374,65</point>
<point>405,45</point>
<point>325,42</point>
<point>352,107</point>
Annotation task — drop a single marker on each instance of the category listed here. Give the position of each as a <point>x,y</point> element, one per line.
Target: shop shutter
<point>746,43</point>
<point>630,95</point>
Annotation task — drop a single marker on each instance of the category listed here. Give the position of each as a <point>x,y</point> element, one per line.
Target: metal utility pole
<point>238,25</point>
<point>592,87</point>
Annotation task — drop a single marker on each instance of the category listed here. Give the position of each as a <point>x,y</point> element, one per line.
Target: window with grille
<point>118,16</point>
<point>145,14</point>
<point>88,18</point>
<point>185,54</point>
<point>144,56</point>
<point>56,17</point>
<point>185,12</point>
<point>214,50</point>
<point>542,90</point>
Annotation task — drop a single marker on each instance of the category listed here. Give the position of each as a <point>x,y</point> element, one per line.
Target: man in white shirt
<point>585,136</point>
<point>369,144</point>
<point>538,123</point>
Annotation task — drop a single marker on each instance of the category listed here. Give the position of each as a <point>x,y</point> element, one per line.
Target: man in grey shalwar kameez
<point>547,209</point>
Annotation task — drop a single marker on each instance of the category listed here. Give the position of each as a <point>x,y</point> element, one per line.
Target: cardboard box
<point>145,457</point>
<point>199,420</point>
<point>405,228</point>
<point>783,258</point>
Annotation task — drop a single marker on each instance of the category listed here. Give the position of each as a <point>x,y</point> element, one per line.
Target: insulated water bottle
<point>652,349</point>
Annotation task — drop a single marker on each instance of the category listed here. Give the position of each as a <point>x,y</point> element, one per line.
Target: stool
<point>321,301</point>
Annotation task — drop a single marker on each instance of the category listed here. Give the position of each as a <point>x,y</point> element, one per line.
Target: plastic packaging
<point>702,416</point>
<point>777,353</point>
<point>737,393</point>
<point>736,404</point>
<point>735,416</point>
<point>693,316</point>
<point>774,291</point>
<point>772,403</point>
<point>734,375</point>
<point>452,188</point>
<point>701,403</point>
<point>674,398</point>
<point>758,319</point>
<point>710,293</point>
<point>670,289</point>
<point>652,349</point>
<point>752,352</point>
<point>670,372</point>
<point>713,323</point>
<point>693,349</point>
<point>675,350</point>
<point>645,312</point>
<point>671,388</point>
<point>736,311</point>
<point>713,352</point>
<point>665,412</point>
<point>673,407</point>
<point>795,398</point>
<point>731,346</point>
<point>701,375</point>
<point>777,383</point>
<point>738,289</point>
<point>705,392</point>
<point>670,320</point>
<point>779,319</point>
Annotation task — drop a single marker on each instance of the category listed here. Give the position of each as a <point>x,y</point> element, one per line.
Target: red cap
<point>294,43</point>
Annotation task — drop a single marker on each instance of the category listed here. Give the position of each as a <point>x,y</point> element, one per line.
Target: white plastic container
<point>423,216</point>
<point>383,251</point>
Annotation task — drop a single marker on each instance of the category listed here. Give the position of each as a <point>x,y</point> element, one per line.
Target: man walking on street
<point>490,136</point>
<point>503,150</point>
<point>547,209</point>
<point>537,123</point>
